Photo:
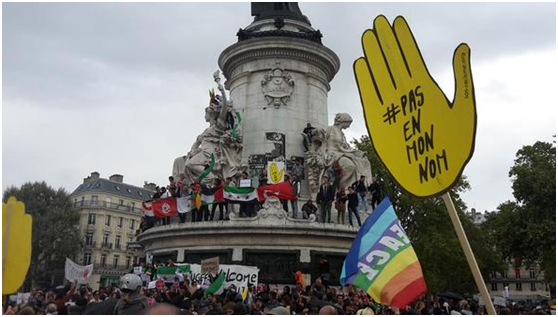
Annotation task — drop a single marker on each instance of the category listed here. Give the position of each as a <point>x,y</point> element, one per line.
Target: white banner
<point>237,275</point>
<point>78,272</point>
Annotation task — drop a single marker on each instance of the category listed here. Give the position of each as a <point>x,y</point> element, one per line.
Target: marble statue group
<point>217,151</point>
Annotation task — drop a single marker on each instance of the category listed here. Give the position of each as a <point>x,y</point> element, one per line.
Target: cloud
<point>121,87</point>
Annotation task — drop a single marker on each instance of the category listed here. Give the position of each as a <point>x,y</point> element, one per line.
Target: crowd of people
<point>132,297</point>
<point>349,202</point>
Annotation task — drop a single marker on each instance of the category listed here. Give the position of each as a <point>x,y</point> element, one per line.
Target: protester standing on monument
<point>340,205</point>
<point>295,183</point>
<point>376,193</point>
<point>361,189</point>
<point>218,185</point>
<point>230,206</point>
<point>353,205</point>
<point>285,202</point>
<point>324,199</point>
<point>298,169</point>
<point>172,187</point>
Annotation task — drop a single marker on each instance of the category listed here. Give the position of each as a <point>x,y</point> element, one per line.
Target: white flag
<point>78,272</point>
<point>183,204</point>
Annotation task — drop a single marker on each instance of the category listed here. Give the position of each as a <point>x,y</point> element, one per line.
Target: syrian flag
<point>239,194</point>
<point>218,286</point>
<point>208,170</point>
<point>212,196</point>
<point>168,273</point>
<point>283,191</point>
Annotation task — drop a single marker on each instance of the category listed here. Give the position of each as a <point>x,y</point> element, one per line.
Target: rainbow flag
<point>382,261</point>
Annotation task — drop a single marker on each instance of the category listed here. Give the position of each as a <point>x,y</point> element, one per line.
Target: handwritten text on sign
<point>422,138</point>
<point>420,146</point>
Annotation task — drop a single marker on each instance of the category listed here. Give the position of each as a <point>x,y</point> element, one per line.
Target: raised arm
<point>225,105</point>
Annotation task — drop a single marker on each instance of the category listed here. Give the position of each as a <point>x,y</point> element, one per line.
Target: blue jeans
<point>362,203</point>
<point>353,210</point>
<point>294,206</point>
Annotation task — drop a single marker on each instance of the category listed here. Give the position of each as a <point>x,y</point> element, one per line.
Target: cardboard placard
<point>210,265</point>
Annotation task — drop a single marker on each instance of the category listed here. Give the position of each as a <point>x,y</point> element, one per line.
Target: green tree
<point>526,229</point>
<point>429,227</point>
<point>55,230</point>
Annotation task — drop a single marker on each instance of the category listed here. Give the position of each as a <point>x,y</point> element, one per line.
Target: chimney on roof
<point>116,178</point>
<point>85,180</point>
<point>95,175</point>
<point>149,186</point>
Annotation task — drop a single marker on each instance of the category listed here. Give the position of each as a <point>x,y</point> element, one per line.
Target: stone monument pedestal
<point>277,244</point>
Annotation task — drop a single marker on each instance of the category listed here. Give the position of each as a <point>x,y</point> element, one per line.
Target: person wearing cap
<point>131,302</point>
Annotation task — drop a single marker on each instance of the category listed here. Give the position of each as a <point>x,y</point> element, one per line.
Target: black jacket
<point>325,196</point>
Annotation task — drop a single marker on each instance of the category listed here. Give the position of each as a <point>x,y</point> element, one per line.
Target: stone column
<point>279,84</point>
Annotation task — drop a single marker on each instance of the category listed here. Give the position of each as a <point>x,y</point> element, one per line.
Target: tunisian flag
<point>168,207</point>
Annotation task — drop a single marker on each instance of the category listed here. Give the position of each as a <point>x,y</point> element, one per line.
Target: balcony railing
<point>106,205</point>
<point>90,245</point>
<point>106,245</point>
<point>107,266</point>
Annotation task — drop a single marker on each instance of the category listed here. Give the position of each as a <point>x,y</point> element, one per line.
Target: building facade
<point>524,284</point>
<point>110,213</point>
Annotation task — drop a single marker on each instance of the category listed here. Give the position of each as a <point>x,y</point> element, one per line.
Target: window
<point>519,287</point>
<point>494,286</point>
<point>105,239</point>
<point>533,287</point>
<point>94,200</point>
<point>92,219</point>
<point>75,202</point>
<point>121,202</point>
<point>128,261</point>
<point>505,274</point>
<point>517,273</point>
<point>89,239</point>
<point>87,259</point>
<point>103,260</point>
<point>532,274</point>
<point>82,200</point>
<point>493,274</point>
<point>132,206</point>
<point>107,220</point>
<point>120,221</point>
<point>115,261</point>
<point>117,242</point>
<point>132,224</point>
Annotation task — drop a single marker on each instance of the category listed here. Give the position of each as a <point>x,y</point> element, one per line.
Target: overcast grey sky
<point>121,87</point>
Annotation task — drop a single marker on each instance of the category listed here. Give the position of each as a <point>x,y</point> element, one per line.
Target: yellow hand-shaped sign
<point>16,245</point>
<point>423,139</point>
<point>276,174</point>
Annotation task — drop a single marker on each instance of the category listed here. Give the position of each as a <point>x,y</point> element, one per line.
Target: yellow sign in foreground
<point>422,138</point>
<point>16,245</point>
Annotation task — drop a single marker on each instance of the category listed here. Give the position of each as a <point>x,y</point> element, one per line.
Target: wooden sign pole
<point>468,253</point>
